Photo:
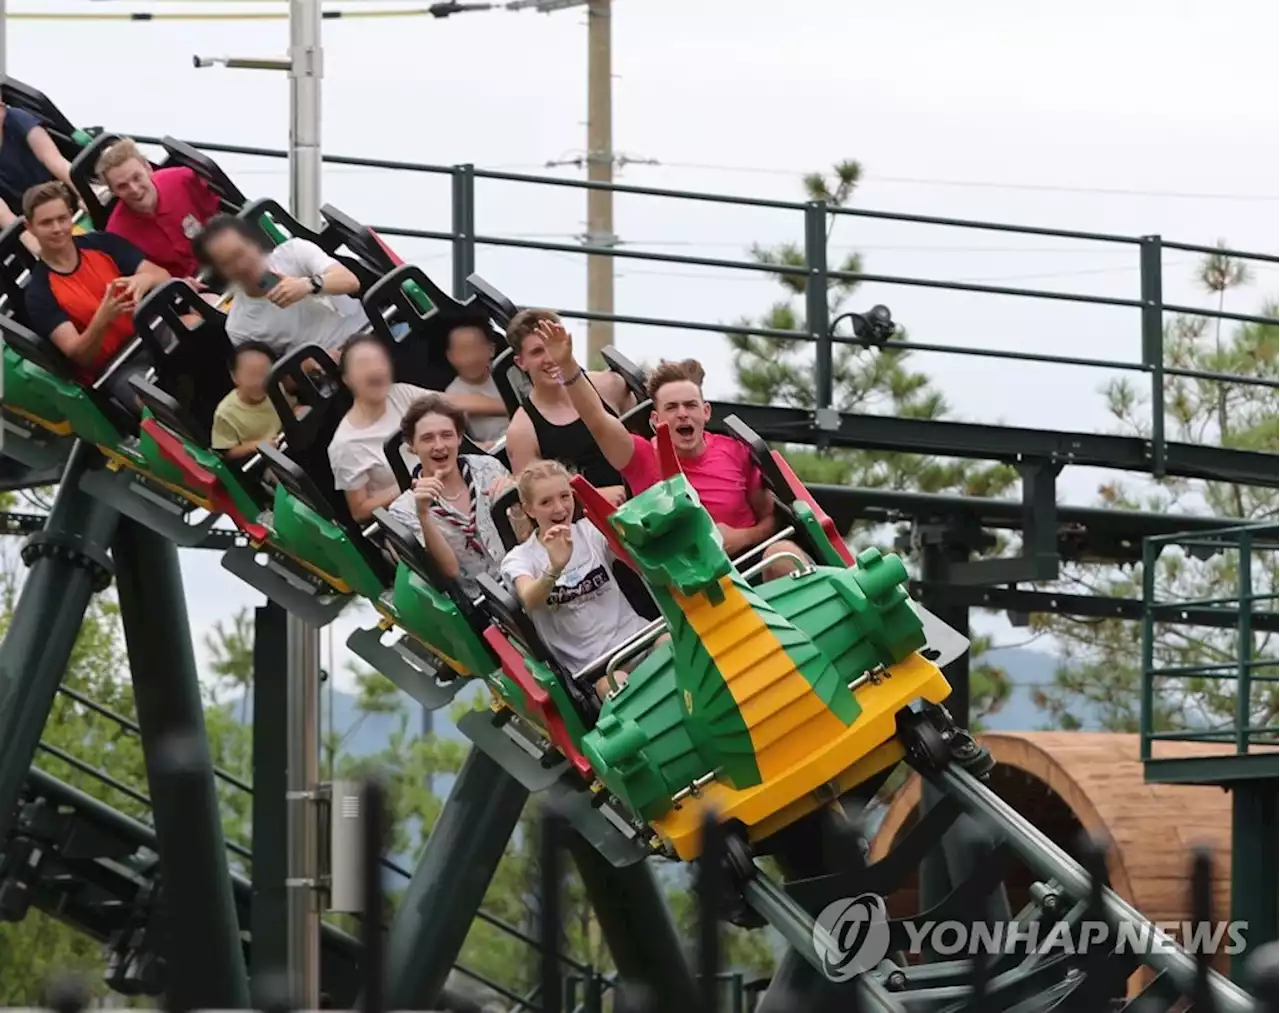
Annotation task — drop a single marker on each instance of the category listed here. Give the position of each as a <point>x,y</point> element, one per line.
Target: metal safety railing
<point>1246,557</point>
<point>817,274</point>
<point>595,983</point>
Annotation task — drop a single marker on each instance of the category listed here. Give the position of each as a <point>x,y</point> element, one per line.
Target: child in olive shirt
<point>246,417</point>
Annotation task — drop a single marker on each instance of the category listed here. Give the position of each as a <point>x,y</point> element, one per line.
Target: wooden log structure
<point>1066,782</point>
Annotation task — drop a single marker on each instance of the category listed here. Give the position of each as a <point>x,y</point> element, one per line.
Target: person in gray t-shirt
<point>449,506</point>
<point>470,353</point>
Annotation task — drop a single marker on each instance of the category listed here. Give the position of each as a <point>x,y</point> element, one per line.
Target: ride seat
<point>789,491</point>
<point>41,352</point>
<point>83,177</point>
<point>503,609</point>
<point>363,243</point>
<point>16,262</point>
<point>64,133</point>
<point>192,361</point>
<point>180,153</point>
<point>408,296</point>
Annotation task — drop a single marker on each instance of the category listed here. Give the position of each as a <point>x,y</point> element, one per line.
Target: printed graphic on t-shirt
<point>588,587</point>
<point>191,226</point>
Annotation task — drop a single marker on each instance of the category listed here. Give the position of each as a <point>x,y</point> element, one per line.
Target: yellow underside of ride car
<point>116,461</point>
<point>822,764</point>
<point>62,428</point>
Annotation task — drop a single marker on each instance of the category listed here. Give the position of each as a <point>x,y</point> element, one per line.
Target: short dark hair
<point>261,347</point>
<point>686,370</point>
<point>431,404</point>
<point>467,325</point>
<point>219,224</point>
<point>354,342</point>
<point>525,323</point>
<point>46,193</point>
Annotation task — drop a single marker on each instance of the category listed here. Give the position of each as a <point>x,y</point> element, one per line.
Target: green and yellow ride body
<point>767,702</point>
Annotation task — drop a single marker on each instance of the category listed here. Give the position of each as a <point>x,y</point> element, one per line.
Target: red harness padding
<point>197,477</point>
<point>537,699</point>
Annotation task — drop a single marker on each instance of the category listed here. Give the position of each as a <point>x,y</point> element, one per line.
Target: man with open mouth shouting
<point>720,468</point>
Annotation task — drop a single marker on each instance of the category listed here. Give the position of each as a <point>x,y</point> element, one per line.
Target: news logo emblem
<point>851,935</point>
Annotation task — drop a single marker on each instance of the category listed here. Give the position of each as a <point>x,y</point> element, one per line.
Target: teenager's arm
<point>522,442</point>
<point>613,390</point>
<point>739,540</point>
<point>533,591</point>
<point>42,146</point>
<point>362,503</point>
<point>435,542</point>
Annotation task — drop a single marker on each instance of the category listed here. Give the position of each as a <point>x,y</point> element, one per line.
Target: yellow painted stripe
<point>62,428</point>
<point>783,715</point>
<point>119,461</point>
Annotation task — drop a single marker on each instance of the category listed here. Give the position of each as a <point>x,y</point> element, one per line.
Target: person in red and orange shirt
<point>160,211</point>
<point>82,293</point>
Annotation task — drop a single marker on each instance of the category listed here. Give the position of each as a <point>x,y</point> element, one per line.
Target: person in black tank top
<point>574,447</point>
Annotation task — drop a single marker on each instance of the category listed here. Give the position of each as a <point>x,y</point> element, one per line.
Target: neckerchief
<point>464,523</point>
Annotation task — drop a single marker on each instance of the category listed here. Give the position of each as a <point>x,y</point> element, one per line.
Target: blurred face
<point>251,375</point>
<point>679,404</point>
<point>132,183</point>
<point>237,259</point>
<point>469,353</point>
<point>435,441</point>
<point>550,502</point>
<point>368,372</point>
<point>535,361</point>
<point>50,223</point>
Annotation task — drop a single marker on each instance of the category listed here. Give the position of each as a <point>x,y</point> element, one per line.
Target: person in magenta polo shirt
<point>160,211</point>
<point>720,468</point>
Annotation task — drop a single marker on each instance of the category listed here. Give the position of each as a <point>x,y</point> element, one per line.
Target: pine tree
<point>876,381</point>
<point>1103,680</point>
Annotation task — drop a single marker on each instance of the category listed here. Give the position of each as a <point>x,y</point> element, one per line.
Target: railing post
<point>1244,642</point>
<point>815,296</point>
<point>464,227</point>
<point>1146,687</point>
<point>1153,343</point>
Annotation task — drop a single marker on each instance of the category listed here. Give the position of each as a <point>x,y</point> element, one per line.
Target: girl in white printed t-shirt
<point>563,575</point>
<point>356,452</point>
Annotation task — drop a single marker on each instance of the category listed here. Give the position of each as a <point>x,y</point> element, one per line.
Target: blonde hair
<point>535,471</point>
<point>116,155</point>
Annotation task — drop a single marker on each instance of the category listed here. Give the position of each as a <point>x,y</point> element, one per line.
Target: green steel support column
<point>68,563</point>
<point>1151,264</point>
<point>433,919</point>
<point>815,297</point>
<point>464,227</point>
<point>637,925</point>
<point>205,959</point>
<point>269,910</point>
<point>1254,845</point>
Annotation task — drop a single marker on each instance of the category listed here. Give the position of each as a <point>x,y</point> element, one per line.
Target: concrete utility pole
<point>600,160</point>
<point>305,67</point>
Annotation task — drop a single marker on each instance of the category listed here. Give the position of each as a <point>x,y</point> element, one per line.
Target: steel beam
<point>269,915</point>
<point>973,441</point>
<point>637,925</point>
<point>1048,861</point>
<point>68,562</point>
<point>205,958</point>
<point>451,878</point>
<point>1253,866</point>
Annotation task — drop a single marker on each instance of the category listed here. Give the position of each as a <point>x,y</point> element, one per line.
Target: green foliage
<point>869,381</point>
<point>1103,674</point>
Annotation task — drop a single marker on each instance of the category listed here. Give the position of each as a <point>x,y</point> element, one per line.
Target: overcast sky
<point>1148,116</point>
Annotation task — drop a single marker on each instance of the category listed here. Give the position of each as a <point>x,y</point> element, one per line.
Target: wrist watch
<point>317,283</point>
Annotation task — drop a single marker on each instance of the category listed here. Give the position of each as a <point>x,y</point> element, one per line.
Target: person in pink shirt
<point>160,211</point>
<point>720,468</point>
